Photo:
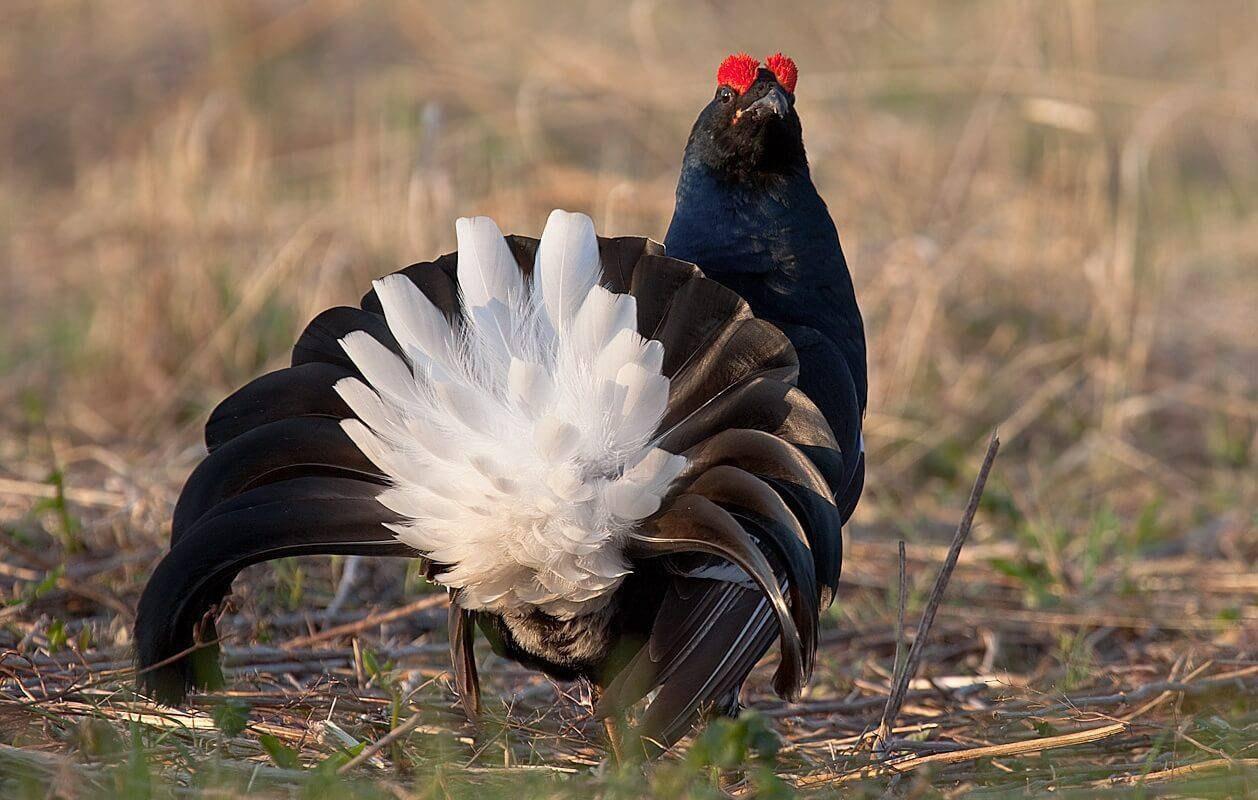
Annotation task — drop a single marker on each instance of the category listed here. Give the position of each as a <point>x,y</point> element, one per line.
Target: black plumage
<point>749,216</point>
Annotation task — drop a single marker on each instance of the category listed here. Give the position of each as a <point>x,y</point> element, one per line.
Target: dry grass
<point>1051,209</point>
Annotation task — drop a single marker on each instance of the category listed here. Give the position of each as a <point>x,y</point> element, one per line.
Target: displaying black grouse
<point>599,451</point>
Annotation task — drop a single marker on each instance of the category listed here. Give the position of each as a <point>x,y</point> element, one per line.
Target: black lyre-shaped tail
<point>747,544</point>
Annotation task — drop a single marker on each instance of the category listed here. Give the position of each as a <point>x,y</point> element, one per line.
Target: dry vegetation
<point>1051,209</point>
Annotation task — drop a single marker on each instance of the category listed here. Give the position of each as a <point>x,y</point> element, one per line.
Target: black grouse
<point>603,453</point>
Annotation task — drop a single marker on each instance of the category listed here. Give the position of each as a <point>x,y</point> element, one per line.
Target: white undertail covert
<point>518,440</point>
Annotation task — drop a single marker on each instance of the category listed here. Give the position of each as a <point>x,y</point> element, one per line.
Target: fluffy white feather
<point>486,270</point>
<point>567,265</point>
<point>415,322</point>
<point>518,441</point>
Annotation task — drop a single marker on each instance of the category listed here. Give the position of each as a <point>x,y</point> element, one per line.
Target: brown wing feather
<point>733,488</point>
<point>704,675</point>
<point>693,524</point>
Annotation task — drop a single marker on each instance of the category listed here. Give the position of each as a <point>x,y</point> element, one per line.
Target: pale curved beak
<point>774,103</point>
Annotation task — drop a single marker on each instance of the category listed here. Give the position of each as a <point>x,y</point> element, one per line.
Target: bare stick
<point>896,700</point>
<point>371,620</point>
<point>389,738</point>
<point>897,663</point>
<point>969,754</point>
<point>349,576</point>
<point>1192,769</point>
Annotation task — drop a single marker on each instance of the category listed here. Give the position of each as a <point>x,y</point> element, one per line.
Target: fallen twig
<point>425,602</point>
<point>958,756</point>
<point>1022,709</point>
<point>1192,769</point>
<point>389,738</point>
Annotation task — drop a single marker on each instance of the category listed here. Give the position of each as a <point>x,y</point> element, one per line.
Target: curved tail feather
<point>462,638</point>
<point>303,516</point>
<point>301,391</point>
<point>293,447</point>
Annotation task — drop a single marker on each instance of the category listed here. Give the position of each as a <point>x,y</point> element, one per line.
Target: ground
<point>1051,213</point>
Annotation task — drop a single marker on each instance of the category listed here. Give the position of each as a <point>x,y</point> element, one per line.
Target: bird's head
<point>750,130</point>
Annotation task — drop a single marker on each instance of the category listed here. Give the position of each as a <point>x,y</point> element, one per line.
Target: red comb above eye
<point>737,72</point>
<point>784,70</point>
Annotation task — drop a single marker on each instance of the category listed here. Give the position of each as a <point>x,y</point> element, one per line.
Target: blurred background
<point>1050,210</point>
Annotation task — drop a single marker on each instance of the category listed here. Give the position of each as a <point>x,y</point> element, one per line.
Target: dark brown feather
<point>796,479</point>
<point>656,281</point>
<point>699,311</point>
<point>621,255</point>
<point>761,404</point>
<point>302,391</point>
<point>742,349</point>
<point>462,629</point>
<point>709,671</point>
<point>288,448</point>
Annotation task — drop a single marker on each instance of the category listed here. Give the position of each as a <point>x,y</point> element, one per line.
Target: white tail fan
<point>518,442</point>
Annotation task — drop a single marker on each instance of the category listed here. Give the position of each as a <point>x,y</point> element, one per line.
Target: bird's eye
<point>724,94</point>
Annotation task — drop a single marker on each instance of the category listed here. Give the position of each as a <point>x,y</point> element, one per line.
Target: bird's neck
<point>778,227</point>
